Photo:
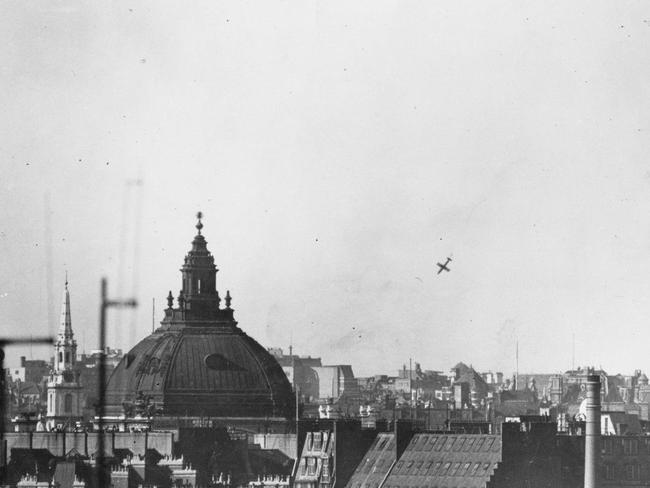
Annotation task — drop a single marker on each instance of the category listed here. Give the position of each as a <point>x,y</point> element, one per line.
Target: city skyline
<point>334,171</point>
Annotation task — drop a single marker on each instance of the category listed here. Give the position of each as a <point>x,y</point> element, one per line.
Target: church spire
<point>65,324</point>
<point>63,389</point>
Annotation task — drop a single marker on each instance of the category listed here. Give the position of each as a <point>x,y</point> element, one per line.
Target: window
<point>632,472</point>
<point>441,442</point>
<point>326,470</point>
<point>60,357</point>
<point>318,441</point>
<point>428,445</point>
<point>478,445</point>
<point>311,466</point>
<point>67,403</point>
<point>630,447</point>
<point>609,472</point>
<point>607,446</point>
<point>449,443</point>
<point>67,358</point>
<point>458,444</point>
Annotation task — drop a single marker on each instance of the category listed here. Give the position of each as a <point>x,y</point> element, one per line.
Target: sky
<point>338,151</point>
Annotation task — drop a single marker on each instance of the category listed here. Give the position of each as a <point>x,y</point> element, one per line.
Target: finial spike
<point>228,299</point>
<point>199,225</point>
<point>66,279</point>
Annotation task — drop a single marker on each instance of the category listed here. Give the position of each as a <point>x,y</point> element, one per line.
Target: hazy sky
<point>337,150</point>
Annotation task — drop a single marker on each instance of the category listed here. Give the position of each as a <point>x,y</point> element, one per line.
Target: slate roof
<point>374,467</point>
<point>446,460</point>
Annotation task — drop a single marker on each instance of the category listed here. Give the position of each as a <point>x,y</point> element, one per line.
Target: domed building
<point>199,363</point>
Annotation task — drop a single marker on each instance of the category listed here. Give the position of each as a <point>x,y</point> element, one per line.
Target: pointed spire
<point>199,225</point>
<point>65,324</point>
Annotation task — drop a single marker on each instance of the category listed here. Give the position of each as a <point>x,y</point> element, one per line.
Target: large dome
<point>199,363</point>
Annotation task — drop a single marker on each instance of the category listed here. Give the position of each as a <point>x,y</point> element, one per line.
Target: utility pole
<point>105,304</point>
<point>411,387</point>
<point>573,352</point>
<point>517,365</point>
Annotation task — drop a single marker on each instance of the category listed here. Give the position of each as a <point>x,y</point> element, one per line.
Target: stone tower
<point>63,389</point>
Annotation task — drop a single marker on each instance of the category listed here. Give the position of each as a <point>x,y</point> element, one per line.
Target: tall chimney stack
<point>592,437</point>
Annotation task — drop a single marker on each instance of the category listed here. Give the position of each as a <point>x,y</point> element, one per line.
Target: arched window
<point>60,357</point>
<point>67,403</point>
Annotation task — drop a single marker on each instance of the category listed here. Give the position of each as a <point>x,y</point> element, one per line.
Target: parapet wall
<point>86,443</point>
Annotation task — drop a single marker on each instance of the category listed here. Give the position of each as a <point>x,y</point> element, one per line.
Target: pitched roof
<point>438,460</point>
<point>29,388</point>
<point>374,467</point>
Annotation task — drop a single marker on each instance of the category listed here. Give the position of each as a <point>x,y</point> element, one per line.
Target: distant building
<point>30,371</point>
<point>317,382</point>
<point>63,388</point>
<point>87,367</point>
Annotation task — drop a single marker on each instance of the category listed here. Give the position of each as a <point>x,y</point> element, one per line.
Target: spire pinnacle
<point>65,324</point>
<point>199,225</point>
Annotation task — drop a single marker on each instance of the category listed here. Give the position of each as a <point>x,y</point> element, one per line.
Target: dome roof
<point>199,363</point>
